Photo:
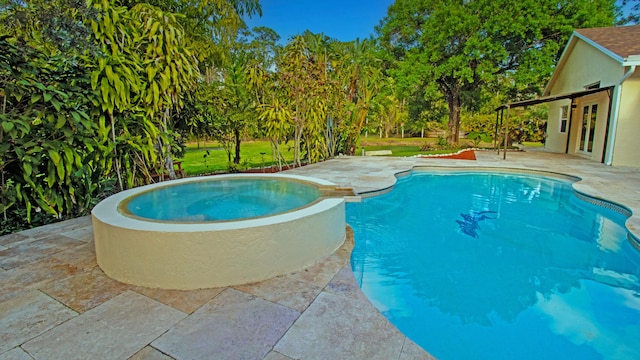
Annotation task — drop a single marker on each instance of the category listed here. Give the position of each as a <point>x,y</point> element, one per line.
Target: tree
<point>143,71</point>
<point>89,91</point>
<point>324,91</point>
<point>238,106</point>
<point>302,86</point>
<point>453,48</point>
<point>228,97</point>
<point>361,77</point>
<point>50,26</point>
<point>52,157</point>
<point>275,118</point>
<point>51,152</point>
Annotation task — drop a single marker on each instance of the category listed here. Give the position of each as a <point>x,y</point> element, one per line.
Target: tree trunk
<point>297,138</point>
<point>277,154</point>
<point>236,133</point>
<point>168,161</point>
<point>453,99</point>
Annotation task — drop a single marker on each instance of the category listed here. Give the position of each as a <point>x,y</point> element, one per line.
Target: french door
<point>589,116</point>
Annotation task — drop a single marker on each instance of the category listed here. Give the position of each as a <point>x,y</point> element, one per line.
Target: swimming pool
<point>499,265</point>
<point>217,231</point>
<point>226,199</point>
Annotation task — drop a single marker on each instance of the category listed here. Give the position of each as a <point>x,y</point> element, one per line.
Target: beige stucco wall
<point>556,141</point>
<point>627,146</point>
<point>584,65</point>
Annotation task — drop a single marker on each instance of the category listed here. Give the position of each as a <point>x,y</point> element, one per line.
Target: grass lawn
<point>196,163</point>
<point>376,141</point>
<point>408,146</point>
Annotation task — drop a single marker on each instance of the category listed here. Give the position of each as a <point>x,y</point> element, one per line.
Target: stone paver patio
<point>56,303</point>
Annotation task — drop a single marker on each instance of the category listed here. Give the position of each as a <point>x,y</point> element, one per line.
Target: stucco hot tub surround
<point>187,255</point>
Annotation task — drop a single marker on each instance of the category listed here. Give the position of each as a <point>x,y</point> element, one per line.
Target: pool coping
<point>104,210</point>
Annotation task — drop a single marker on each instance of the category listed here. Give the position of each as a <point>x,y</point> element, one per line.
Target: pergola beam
<point>551,98</point>
<point>537,101</point>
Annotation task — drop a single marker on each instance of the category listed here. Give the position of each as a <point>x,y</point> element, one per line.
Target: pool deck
<point>56,303</point>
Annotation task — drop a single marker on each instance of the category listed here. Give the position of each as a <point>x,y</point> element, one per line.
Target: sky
<point>344,20</point>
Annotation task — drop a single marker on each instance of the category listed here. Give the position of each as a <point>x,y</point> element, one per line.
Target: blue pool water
<point>222,200</point>
<point>499,266</point>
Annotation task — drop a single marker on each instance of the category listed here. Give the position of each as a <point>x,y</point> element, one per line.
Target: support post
<point>506,132</point>
<point>495,133</point>
<point>571,110</point>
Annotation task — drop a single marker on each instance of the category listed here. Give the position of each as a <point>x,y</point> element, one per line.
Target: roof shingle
<point>621,40</point>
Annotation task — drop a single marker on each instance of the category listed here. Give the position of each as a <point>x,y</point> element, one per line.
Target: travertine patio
<point>55,302</point>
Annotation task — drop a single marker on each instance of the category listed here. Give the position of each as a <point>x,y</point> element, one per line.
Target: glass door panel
<point>592,126</point>
<point>585,125</point>
<point>587,133</point>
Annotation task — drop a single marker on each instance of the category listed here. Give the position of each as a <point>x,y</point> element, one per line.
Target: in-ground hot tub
<point>218,230</point>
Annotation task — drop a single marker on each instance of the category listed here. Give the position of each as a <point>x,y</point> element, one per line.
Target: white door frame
<point>586,136</point>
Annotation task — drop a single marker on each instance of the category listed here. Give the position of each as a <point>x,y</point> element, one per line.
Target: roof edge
<point>632,60</point>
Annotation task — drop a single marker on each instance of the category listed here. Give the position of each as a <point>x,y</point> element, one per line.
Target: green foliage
<point>528,124</point>
<point>304,88</point>
<point>441,144</point>
<point>483,123</point>
<point>451,50</point>
<point>276,124</point>
<point>226,105</point>
<point>325,94</point>
<point>369,97</point>
<point>51,26</point>
<point>51,156</point>
<point>87,93</point>
<point>143,72</point>
<point>210,26</point>
<point>478,137</point>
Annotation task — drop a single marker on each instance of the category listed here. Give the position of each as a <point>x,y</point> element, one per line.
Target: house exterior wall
<point>626,148</point>
<point>556,141</point>
<point>583,66</point>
